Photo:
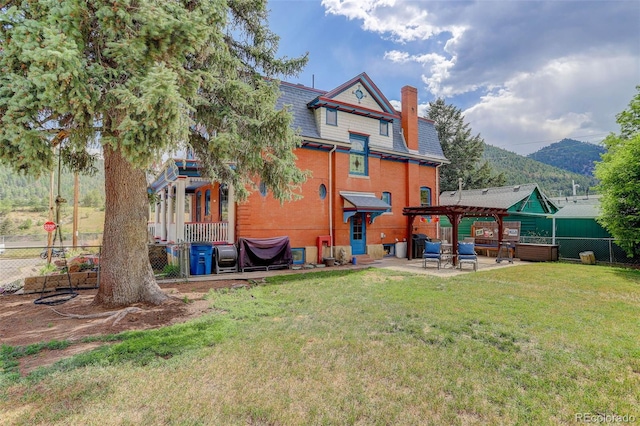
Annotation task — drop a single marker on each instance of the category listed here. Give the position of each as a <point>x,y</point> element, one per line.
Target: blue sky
<point>525,73</point>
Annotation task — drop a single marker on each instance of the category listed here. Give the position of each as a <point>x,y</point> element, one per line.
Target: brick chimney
<point>410,116</point>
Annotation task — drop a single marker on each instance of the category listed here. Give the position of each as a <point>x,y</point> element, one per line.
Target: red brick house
<point>367,162</point>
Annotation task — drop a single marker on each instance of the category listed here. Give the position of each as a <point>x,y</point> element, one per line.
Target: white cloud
<point>403,21</point>
<point>573,97</point>
<point>528,73</point>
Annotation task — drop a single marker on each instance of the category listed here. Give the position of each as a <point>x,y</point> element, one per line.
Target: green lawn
<point>536,344</point>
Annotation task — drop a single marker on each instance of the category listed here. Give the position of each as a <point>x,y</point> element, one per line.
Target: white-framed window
<point>384,128</point>
<point>358,155</point>
<point>332,117</point>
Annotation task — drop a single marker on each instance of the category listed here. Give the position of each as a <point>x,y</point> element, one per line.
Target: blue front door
<point>358,234</point>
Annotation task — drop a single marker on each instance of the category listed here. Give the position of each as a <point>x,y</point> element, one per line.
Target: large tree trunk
<point>126,276</point>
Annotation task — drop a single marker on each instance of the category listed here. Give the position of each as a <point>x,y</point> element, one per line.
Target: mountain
<point>518,170</point>
<point>569,154</point>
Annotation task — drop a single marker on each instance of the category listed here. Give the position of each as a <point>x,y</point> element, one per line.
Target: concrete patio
<point>414,266</point>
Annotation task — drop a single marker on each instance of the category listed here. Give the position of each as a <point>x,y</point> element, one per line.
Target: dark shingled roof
<point>297,97</point>
<point>428,143</point>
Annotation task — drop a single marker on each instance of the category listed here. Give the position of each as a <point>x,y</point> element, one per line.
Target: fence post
<point>610,252</point>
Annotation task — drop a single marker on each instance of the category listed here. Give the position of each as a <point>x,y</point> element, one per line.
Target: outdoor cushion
<point>431,248</point>
<point>467,257</point>
<point>466,249</point>
<point>431,256</point>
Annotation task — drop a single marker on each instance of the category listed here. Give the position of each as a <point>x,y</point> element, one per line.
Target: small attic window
<point>485,191</point>
<point>384,128</point>
<point>332,117</point>
<point>453,193</point>
<point>516,188</point>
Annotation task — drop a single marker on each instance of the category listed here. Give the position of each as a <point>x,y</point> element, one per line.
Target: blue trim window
<point>332,117</point>
<point>425,196</point>
<point>384,128</point>
<point>386,197</point>
<point>207,202</point>
<point>263,189</point>
<point>358,155</point>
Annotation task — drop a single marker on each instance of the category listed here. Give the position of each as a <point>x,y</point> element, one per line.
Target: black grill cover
<point>264,252</point>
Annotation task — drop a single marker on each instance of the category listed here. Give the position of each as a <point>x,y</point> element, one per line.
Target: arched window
<point>425,196</point>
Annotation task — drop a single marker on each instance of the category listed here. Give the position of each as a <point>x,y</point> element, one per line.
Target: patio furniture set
<point>441,253</point>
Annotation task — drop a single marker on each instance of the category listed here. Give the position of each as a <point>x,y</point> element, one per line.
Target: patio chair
<point>467,254</point>
<point>431,253</point>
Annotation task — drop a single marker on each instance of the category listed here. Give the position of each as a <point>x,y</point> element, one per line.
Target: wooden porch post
<point>410,220</point>
<point>231,225</point>
<point>181,187</point>
<point>163,215</point>
<point>156,222</point>
<point>455,221</point>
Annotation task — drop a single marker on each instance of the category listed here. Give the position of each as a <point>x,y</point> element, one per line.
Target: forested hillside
<point>17,190</point>
<point>519,170</point>
<point>569,154</point>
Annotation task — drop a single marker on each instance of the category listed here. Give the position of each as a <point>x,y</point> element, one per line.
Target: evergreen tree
<point>462,149</point>
<point>619,174</point>
<point>141,79</point>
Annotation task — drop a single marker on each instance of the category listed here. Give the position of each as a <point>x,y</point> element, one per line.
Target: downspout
<point>331,199</point>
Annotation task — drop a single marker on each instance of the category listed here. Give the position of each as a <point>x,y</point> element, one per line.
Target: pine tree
<point>462,149</point>
<point>619,174</point>
<point>141,79</point>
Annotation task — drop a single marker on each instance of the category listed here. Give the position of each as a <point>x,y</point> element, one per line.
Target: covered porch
<point>186,208</point>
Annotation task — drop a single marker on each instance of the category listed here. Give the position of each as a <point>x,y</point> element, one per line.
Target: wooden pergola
<point>454,214</point>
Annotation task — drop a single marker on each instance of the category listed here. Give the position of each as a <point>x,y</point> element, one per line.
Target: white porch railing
<point>209,232</point>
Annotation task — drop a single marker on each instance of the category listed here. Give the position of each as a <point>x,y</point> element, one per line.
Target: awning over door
<point>362,202</point>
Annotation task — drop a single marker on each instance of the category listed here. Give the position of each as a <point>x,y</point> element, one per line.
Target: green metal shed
<point>526,204</point>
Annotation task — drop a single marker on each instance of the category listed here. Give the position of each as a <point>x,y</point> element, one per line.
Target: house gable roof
<point>361,82</point>
<point>302,101</point>
<point>514,198</point>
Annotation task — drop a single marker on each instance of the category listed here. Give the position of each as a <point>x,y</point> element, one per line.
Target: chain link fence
<point>28,270</point>
<point>605,250</point>
<point>36,269</point>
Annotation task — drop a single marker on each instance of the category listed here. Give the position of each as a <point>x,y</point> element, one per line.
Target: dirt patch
<point>22,322</point>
